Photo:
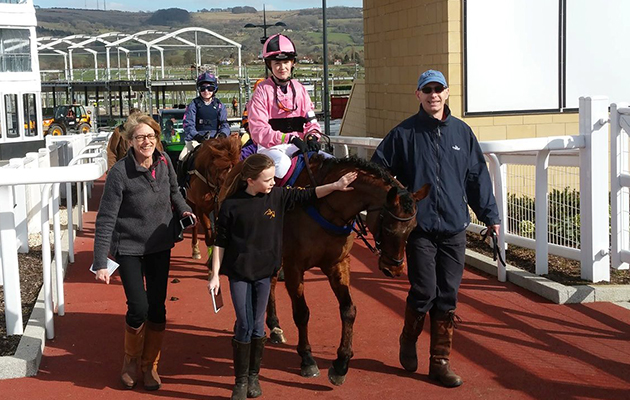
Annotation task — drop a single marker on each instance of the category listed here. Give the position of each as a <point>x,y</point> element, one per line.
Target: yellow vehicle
<point>72,118</point>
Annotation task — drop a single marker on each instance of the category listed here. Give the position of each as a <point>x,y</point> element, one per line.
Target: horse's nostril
<point>388,273</point>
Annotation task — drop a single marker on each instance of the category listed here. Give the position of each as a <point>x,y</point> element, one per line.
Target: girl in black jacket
<point>248,249</point>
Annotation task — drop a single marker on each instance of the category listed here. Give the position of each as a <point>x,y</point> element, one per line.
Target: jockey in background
<point>280,113</point>
<point>205,116</point>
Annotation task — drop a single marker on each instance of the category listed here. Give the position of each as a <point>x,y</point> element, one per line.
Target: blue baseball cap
<point>431,76</point>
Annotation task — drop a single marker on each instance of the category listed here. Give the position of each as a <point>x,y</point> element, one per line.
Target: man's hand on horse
<point>312,142</point>
<point>299,143</point>
<point>200,137</point>
<point>344,181</point>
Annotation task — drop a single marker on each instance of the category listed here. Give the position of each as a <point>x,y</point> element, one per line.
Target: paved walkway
<point>511,344</point>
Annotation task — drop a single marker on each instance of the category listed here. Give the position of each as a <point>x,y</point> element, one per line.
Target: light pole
<point>264,25</point>
<point>326,99</point>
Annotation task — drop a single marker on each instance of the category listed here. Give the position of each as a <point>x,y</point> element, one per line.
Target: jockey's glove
<point>299,143</point>
<point>200,137</point>
<point>312,143</point>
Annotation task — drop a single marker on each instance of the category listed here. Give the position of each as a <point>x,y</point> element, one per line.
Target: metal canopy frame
<point>91,44</point>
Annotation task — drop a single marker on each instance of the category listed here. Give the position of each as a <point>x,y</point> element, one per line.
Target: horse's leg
<point>276,335</point>
<point>340,283</point>
<point>196,254</point>
<point>294,281</point>
<point>206,227</point>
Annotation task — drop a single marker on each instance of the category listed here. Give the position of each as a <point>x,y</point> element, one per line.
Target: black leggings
<point>144,304</point>
<point>250,303</point>
<point>435,268</point>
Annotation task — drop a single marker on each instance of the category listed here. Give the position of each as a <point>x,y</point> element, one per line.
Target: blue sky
<point>194,5</point>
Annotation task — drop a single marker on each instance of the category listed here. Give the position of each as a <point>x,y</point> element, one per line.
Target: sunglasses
<point>430,89</point>
<point>206,88</point>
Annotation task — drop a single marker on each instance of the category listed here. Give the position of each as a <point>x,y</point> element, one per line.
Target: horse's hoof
<point>309,371</point>
<point>196,256</point>
<point>335,379</point>
<point>277,336</point>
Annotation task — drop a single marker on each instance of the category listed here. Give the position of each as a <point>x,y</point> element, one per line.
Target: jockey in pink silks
<point>281,116</point>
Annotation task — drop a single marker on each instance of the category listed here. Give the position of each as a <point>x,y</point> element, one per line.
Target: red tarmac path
<point>511,344</point>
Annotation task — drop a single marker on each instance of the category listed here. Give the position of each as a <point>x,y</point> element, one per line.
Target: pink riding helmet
<point>279,47</point>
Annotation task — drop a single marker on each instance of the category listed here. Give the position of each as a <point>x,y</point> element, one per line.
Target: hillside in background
<point>345,31</point>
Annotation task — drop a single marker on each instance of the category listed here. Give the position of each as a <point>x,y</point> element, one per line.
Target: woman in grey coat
<point>137,224</point>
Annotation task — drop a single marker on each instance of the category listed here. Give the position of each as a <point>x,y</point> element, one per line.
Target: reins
<point>496,252</point>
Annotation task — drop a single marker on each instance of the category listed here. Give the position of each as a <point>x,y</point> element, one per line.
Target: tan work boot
<point>154,336</point>
<point>442,324</point>
<point>134,342</point>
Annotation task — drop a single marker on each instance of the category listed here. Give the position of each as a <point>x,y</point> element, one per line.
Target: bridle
<point>361,231</point>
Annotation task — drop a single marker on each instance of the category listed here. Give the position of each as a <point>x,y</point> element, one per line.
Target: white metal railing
<point>50,178</point>
<point>588,151</point>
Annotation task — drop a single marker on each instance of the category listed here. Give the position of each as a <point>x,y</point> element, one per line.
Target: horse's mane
<point>378,172</point>
<point>218,154</point>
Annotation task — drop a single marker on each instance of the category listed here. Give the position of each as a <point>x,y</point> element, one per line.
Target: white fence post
<point>594,164</point>
<point>619,191</point>
<point>10,270</point>
<point>542,204</point>
<point>19,191</point>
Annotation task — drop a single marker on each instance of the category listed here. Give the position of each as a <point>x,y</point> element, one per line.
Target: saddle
<point>185,168</point>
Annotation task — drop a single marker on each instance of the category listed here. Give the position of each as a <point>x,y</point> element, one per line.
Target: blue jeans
<point>250,303</point>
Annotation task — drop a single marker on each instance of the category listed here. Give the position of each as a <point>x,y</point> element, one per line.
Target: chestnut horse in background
<point>213,160</point>
<point>391,216</point>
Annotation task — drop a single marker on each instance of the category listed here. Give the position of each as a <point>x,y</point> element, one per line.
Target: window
<point>15,50</point>
<point>10,108</point>
<point>30,115</point>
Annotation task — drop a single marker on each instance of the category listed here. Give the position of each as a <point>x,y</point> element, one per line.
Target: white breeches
<point>188,147</point>
<point>280,154</point>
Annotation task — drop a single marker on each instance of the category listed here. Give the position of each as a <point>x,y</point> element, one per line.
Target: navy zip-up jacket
<point>445,154</point>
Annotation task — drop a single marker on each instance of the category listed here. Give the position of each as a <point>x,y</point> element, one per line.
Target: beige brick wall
<point>404,38</point>
<point>353,122</point>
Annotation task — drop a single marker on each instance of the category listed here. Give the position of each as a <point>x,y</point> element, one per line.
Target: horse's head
<point>391,225</point>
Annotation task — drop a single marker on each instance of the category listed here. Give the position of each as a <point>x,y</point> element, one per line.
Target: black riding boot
<point>256,354</point>
<point>408,356</point>
<point>241,368</point>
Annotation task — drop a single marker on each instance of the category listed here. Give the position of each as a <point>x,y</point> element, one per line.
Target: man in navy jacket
<point>434,147</point>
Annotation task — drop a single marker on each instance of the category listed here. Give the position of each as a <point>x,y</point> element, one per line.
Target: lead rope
<point>360,229</point>
<point>496,252</point>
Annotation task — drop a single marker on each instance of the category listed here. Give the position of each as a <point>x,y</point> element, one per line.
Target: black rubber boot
<point>241,369</point>
<point>256,354</point>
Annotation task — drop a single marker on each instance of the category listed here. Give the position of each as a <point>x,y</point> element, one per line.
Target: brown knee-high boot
<point>414,321</point>
<point>134,342</point>
<point>442,324</point>
<point>241,352</point>
<point>256,354</point>
<point>154,336</point>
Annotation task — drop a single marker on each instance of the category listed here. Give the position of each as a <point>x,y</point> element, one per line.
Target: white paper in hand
<point>112,266</point>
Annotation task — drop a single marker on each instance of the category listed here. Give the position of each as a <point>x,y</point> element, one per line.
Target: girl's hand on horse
<point>194,217</point>
<point>102,275</point>
<point>344,181</point>
<point>214,284</point>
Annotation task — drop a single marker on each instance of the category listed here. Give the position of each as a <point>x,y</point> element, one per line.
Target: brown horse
<point>391,212</point>
<point>213,161</point>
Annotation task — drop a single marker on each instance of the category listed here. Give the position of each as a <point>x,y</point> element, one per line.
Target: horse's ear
<point>392,196</point>
<point>422,193</point>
